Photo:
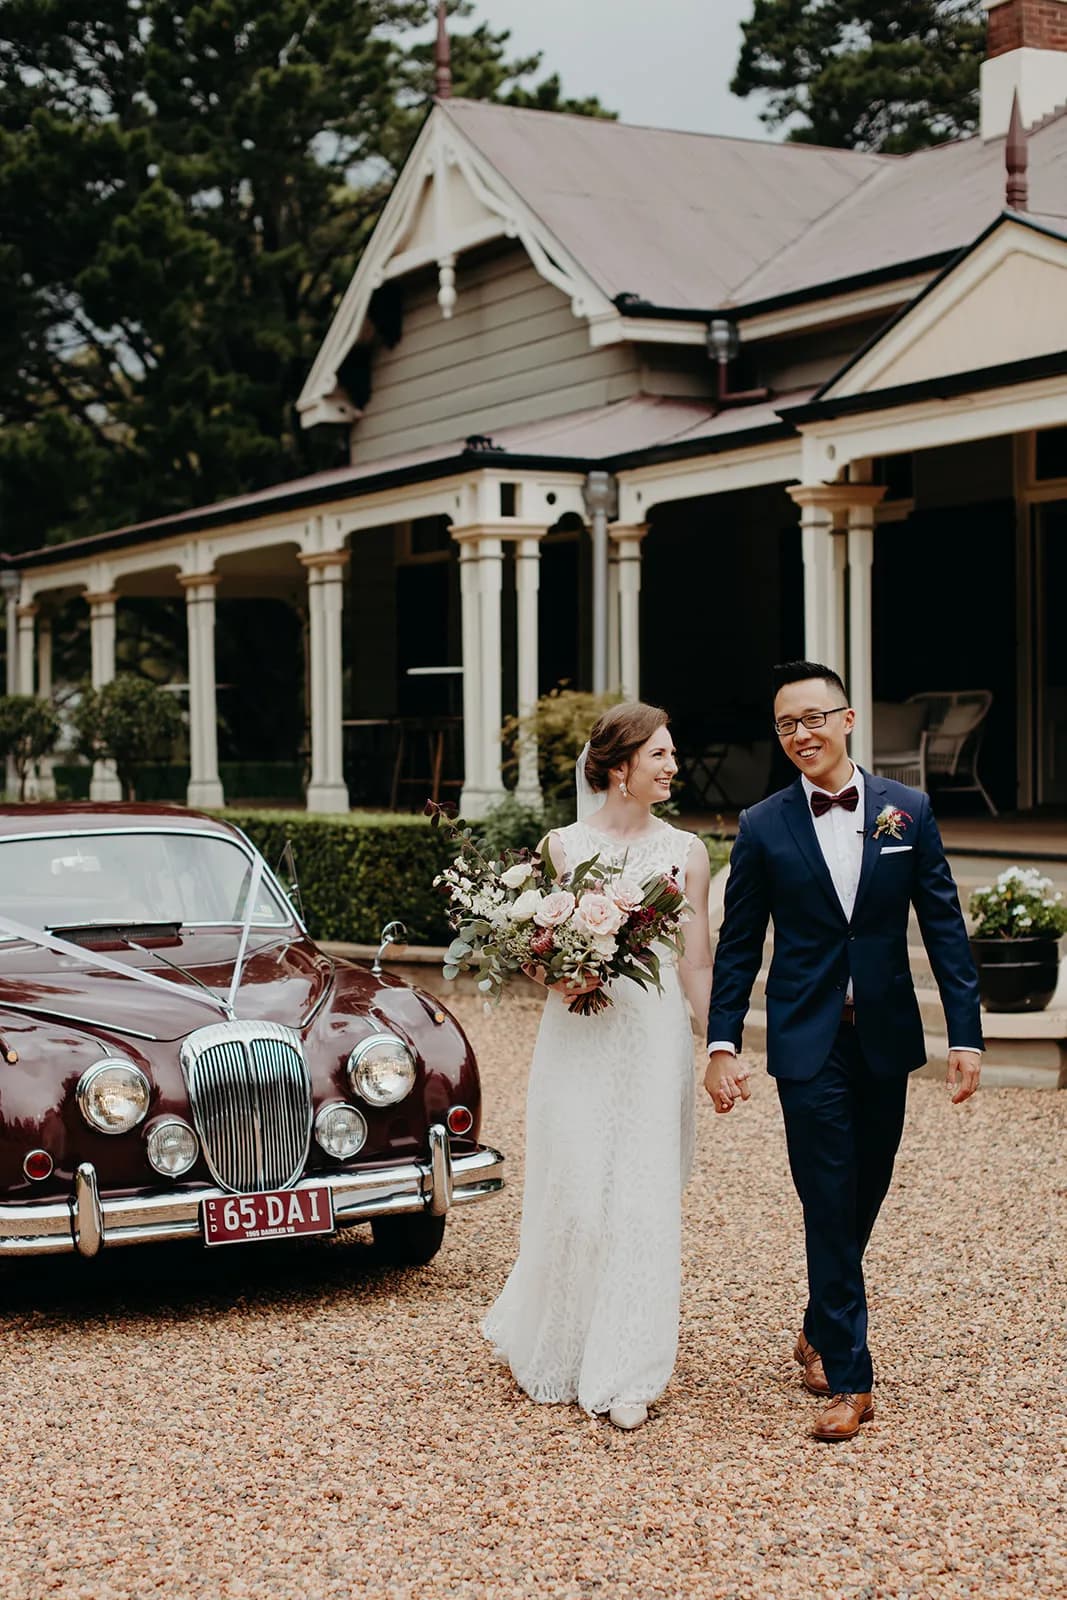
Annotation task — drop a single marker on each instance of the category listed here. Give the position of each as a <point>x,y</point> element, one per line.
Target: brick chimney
<point>1026,53</point>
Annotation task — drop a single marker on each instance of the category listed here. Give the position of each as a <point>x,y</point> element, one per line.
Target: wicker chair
<point>900,742</point>
<point>950,729</point>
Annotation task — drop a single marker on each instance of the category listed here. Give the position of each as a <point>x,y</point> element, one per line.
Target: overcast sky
<point>666,63</point>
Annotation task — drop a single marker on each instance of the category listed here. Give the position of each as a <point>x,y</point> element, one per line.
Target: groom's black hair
<point>797,671</point>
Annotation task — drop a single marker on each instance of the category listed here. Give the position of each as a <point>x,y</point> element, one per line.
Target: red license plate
<point>238,1218</point>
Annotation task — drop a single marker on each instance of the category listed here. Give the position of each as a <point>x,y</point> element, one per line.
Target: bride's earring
<point>623,790</point>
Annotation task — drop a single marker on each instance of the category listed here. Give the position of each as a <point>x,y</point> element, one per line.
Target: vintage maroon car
<point>178,1060</point>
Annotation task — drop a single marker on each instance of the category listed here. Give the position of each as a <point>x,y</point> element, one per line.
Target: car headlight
<point>381,1069</point>
<point>113,1096</point>
<point>171,1147</point>
<point>341,1130</point>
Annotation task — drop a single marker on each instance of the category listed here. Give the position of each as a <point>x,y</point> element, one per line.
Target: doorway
<point>1050,652</point>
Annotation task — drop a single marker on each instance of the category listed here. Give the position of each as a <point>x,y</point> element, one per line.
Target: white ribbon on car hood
<point>91,958</point>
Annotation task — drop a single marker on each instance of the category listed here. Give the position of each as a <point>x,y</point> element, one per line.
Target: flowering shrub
<point>1021,904</point>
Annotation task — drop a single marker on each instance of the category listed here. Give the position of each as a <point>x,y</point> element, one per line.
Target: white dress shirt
<point>840,838</point>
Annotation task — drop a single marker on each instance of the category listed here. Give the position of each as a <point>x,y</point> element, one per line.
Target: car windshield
<point>70,880</point>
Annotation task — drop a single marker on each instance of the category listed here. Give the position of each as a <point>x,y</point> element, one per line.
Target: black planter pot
<point>1016,974</point>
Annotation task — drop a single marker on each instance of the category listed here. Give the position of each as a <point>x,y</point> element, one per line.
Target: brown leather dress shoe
<point>842,1417</point>
<point>808,1357</point>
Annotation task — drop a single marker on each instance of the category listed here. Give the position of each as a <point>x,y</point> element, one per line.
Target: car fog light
<point>38,1165</point>
<point>113,1096</point>
<point>381,1069</point>
<point>341,1130</point>
<point>172,1148</point>
<point>459,1120</point>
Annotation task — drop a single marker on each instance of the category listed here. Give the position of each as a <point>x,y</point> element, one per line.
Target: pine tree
<point>890,75</point>
<point>185,188</point>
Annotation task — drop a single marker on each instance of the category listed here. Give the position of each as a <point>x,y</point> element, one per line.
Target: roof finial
<point>1016,158</point>
<point>442,56</point>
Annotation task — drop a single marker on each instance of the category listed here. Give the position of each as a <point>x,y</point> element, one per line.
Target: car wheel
<point>409,1241</point>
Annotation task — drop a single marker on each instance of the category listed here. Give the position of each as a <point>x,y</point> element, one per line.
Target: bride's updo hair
<point>617,737</point>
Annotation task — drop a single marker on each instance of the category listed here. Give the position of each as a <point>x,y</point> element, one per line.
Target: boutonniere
<point>891,822</point>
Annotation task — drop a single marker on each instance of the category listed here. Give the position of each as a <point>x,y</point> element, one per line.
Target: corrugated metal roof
<point>931,203</point>
<point>642,422</point>
<point>694,221</point>
<point>677,218</point>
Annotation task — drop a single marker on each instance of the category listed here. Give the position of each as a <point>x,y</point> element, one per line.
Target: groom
<point>836,861</point>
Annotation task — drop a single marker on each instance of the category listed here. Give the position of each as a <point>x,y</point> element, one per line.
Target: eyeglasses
<point>814,719</point>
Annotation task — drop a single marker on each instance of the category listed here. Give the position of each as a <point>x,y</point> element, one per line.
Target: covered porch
<point>907,523</point>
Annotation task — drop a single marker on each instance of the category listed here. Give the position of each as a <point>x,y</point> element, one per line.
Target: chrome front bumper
<point>86,1222</point>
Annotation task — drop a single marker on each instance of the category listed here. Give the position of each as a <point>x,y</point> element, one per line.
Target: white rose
<point>597,914</point>
<point>515,876</point>
<point>605,945</point>
<point>525,906</point>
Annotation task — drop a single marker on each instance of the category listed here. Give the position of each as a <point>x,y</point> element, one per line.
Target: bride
<point>590,1310</point>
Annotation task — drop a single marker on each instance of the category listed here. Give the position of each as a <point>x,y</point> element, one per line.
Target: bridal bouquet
<point>579,931</point>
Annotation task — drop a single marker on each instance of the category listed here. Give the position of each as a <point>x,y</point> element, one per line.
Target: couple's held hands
<point>964,1071</point>
<point>726,1080</point>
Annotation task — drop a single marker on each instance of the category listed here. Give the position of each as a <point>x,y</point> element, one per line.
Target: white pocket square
<point>894,849</point>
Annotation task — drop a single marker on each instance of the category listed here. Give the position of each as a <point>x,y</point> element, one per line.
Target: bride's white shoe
<point>628,1417</point>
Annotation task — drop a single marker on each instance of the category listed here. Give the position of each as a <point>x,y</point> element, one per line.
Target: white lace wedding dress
<point>590,1310</point>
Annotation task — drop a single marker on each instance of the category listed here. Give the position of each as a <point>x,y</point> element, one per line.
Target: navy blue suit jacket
<point>777,872</point>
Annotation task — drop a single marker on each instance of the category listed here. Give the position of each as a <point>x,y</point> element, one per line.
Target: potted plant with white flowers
<point>1018,921</point>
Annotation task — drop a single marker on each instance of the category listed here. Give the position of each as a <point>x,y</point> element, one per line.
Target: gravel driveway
<point>295,1421</point>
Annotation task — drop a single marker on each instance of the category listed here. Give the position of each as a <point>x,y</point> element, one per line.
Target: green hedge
<point>358,872</point>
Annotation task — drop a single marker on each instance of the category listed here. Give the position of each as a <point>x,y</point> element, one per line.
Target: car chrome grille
<point>250,1096</point>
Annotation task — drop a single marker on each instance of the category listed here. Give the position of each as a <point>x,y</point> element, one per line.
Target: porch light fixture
<point>724,341</point>
<point>724,345</point>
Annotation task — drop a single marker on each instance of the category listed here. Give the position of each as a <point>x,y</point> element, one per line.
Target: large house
<point>637,408</point>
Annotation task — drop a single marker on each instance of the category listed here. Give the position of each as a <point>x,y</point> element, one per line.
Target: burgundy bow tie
<point>821,802</point>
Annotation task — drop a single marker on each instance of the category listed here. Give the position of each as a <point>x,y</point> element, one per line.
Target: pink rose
<point>626,894</point>
<point>554,909</point>
<point>598,915</point>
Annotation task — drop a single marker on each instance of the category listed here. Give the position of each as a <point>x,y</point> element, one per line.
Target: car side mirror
<point>392,933</point>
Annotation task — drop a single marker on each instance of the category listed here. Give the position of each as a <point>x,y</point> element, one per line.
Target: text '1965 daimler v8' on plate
<point>178,1060</point>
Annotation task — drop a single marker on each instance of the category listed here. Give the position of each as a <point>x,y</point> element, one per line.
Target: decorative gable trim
<point>1001,301</point>
<point>447,200</point>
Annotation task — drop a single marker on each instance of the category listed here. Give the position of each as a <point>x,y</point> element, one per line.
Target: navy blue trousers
<point>842,1131</point>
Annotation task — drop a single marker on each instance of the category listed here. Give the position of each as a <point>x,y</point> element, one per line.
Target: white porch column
<point>627,541</point>
<point>105,780</point>
<point>326,571</point>
<point>527,584</point>
<point>46,779</point>
<point>205,786</point>
<point>822,631</point>
<point>27,646</point>
<point>11,591</point>
<point>491,584</point>
<point>601,496</point>
<point>481,555</point>
<point>841,641</point>
<point>860,672</point>
<point>471,629</point>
